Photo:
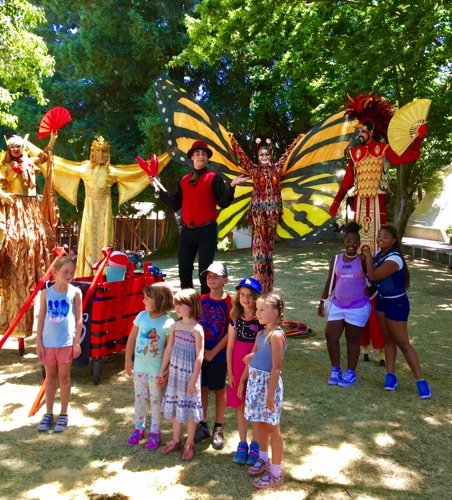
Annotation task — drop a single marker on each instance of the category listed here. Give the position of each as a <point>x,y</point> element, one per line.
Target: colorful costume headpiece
<point>15,140</point>
<point>373,108</point>
<point>268,145</point>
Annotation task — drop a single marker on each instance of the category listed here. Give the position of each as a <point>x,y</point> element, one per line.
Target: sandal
<point>268,481</point>
<point>153,441</point>
<point>172,446</point>
<point>259,467</point>
<point>189,452</point>
<point>135,437</point>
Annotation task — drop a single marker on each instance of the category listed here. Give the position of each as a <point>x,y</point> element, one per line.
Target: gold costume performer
<point>26,237</point>
<point>97,227</point>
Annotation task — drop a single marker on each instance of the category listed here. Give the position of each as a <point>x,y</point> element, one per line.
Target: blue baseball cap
<point>250,283</point>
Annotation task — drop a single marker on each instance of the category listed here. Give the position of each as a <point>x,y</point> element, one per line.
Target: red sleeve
<point>229,302</point>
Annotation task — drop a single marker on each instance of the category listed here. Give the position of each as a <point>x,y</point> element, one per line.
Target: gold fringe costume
<point>26,240</point>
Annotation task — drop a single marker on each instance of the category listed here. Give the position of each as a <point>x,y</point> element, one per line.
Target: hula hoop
<point>296,329</point>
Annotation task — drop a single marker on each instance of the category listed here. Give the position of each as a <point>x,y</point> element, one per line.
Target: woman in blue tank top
<point>388,270</point>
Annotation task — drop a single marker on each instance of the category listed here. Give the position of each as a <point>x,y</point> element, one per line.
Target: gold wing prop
<point>402,129</point>
<point>67,174</point>
<point>310,172</point>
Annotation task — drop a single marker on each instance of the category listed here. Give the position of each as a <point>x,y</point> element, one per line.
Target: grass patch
<point>340,443</point>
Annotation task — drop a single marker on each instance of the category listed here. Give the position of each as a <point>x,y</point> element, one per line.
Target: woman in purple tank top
<point>350,308</point>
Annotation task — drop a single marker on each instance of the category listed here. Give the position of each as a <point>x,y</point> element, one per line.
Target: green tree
<point>303,57</point>
<point>25,59</point>
<point>108,55</point>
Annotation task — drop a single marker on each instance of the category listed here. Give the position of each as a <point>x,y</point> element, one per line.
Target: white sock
<point>276,470</point>
<point>263,455</point>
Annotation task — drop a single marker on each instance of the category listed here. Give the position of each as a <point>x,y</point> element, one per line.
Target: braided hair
<point>398,248</point>
<point>275,302</point>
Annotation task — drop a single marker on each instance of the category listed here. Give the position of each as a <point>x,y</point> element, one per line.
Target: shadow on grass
<point>357,442</point>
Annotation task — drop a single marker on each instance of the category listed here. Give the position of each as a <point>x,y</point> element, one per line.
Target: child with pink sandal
<point>146,343</point>
<point>183,355</point>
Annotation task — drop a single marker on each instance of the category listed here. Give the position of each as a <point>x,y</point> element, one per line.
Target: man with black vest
<point>198,195</point>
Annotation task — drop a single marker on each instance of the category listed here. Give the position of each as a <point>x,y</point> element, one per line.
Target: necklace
<point>353,257</point>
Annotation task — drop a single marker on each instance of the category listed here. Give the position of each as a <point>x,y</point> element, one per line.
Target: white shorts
<point>356,316</point>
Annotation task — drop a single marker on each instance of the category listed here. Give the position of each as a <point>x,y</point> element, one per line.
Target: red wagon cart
<point>109,319</point>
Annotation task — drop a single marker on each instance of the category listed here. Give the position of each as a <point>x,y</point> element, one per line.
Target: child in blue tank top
<point>264,390</point>
<point>58,339</point>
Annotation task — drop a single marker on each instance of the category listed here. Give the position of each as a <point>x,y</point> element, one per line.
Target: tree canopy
<point>25,58</point>
<point>269,68</point>
<point>298,60</point>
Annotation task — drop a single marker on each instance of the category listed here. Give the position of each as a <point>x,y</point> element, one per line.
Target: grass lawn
<point>340,443</point>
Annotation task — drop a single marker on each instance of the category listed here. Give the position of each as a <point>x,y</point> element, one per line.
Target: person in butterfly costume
<point>26,237</point>
<point>266,207</point>
<point>367,172</point>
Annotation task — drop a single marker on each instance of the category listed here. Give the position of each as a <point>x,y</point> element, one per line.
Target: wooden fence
<point>130,234</point>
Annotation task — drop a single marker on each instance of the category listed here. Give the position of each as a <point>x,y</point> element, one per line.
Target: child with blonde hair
<point>144,354</point>
<point>264,390</point>
<point>241,337</point>
<point>184,354</point>
<point>58,339</point>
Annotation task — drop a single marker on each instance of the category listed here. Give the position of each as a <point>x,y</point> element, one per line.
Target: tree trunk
<point>404,198</point>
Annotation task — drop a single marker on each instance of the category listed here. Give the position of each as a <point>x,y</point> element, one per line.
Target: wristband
<point>322,299</point>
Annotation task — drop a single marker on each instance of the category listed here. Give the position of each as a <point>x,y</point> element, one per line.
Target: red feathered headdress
<point>373,108</point>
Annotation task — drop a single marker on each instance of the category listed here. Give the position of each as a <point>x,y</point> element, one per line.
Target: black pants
<point>201,240</point>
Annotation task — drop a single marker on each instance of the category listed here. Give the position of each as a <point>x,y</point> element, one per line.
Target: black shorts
<point>213,375</point>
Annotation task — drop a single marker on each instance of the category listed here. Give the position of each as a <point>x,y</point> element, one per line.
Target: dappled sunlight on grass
<point>384,440</point>
<point>45,491</point>
<point>151,482</point>
<point>339,443</point>
<point>327,463</point>
<point>336,465</point>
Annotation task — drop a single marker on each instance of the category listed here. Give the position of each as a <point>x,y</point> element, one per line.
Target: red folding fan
<point>53,120</point>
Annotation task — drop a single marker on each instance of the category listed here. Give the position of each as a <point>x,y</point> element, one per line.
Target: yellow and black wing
<point>310,180</point>
<point>310,172</point>
<point>185,120</point>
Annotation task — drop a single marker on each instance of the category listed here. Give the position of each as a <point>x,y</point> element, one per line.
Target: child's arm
<point>247,359</point>
<point>167,354</point>
<point>198,333</point>
<point>130,349</point>
<point>40,325</point>
<point>76,349</point>
<point>277,343</point>
<point>243,381</point>
<point>209,355</point>
<point>232,335</point>
<point>244,378</point>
